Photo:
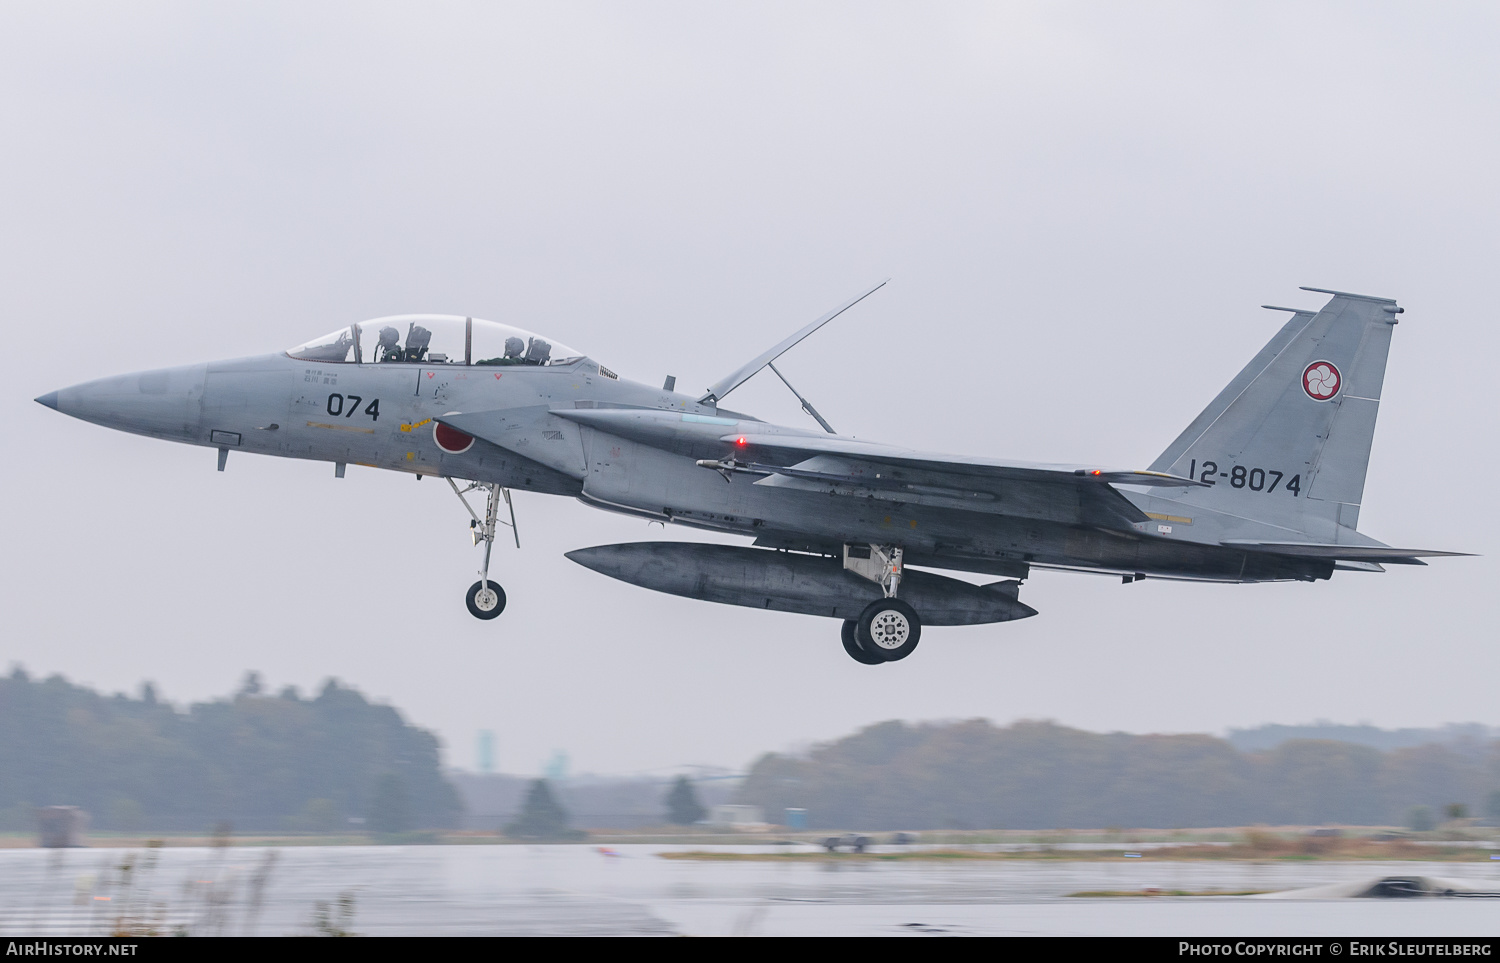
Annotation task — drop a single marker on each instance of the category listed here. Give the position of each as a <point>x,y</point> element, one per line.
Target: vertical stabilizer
<point>1288,440</point>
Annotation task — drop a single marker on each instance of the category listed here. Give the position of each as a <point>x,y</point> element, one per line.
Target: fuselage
<point>539,438</point>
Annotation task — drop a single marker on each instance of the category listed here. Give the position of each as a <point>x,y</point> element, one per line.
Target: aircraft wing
<point>838,464</point>
<point>1066,493</point>
<point>812,445</point>
<point>684,432</point>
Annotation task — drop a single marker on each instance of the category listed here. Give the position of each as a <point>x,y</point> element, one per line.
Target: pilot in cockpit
<point>389,346</point>
<point>514,348</point>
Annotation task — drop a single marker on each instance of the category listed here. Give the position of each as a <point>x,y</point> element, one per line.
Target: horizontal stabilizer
<point>1351,553</point>
<point>1150,479</point>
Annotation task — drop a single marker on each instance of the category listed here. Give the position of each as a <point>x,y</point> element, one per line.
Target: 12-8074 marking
<point>1239,476</point>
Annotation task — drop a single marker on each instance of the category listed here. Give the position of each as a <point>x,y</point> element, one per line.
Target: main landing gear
<point>486,599</point>
<point>888,630</point>
<point>851,645</point>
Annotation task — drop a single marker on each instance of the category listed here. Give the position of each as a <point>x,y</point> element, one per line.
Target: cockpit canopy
<point>434,339</point>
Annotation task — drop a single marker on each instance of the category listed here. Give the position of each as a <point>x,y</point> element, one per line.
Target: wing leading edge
<point>955,464</point>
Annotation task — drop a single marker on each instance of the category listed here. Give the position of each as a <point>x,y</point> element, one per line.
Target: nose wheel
<point>486,599</point>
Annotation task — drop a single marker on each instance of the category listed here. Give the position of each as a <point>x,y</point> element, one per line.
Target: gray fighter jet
<point>1265,484</point>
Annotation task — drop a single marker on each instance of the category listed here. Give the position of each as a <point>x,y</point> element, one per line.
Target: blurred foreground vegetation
<point>251,762</point>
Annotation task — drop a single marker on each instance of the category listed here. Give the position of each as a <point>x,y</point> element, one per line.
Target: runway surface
<point>629,890</point>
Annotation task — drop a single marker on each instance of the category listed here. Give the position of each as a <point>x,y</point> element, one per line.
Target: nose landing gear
<point>486,599</point>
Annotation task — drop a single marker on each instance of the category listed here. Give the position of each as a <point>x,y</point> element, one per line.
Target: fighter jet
<point>1264,485</point>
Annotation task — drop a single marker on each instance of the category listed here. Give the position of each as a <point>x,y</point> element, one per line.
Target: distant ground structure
<point>739,818</point>
<point>485,750</point>
<point>60,827</point>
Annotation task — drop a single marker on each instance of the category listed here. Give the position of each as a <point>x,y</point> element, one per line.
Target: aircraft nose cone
<point>165,403</point>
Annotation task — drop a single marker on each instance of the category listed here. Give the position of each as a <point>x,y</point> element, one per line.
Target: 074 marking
<point>338,403</point>
<point>1239,476</point>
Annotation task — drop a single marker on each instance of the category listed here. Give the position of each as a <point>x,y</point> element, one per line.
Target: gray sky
<point>1081,206</point>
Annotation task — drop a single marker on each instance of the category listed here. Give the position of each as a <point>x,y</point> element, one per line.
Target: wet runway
<point>629,890</point>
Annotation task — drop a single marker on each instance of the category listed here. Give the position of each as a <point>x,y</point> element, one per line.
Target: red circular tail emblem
<point>1321,380</point>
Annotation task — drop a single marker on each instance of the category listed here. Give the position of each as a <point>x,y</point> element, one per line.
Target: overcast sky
<point>1081,207</point>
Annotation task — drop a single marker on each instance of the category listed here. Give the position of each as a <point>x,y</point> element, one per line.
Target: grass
<point>1254,845</point>
<point>907,855</point>
<point>1258,844</point>
<point>1111,893</point>
<point>1220,844</point>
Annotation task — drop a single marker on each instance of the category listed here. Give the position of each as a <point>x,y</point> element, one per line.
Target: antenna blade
<point>724,386</point>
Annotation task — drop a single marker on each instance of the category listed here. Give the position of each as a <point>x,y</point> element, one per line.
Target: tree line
<point>1040,775</point>
<point>253,761</point>
<point>262,762</point>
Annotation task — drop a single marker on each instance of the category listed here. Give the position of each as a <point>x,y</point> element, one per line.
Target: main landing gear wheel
<point>889,629</point>
<point>852,646</point>
<point>486,599</point>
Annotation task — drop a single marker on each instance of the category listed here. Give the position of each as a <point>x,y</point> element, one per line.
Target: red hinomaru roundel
<point>451,440</point>
<point>1321,380</point>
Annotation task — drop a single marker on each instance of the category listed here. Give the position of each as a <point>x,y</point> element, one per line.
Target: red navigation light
<point>740,441</point>
<point>1096,472</point>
